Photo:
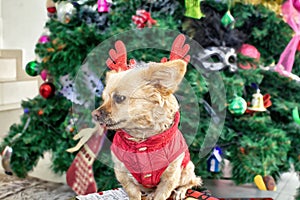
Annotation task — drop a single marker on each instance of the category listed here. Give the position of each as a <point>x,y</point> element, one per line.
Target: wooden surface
<point>13,188</point>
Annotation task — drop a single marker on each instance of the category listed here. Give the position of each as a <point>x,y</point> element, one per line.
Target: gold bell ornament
<point>257,103</point>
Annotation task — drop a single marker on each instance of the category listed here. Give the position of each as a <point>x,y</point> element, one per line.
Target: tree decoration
<point>44,39</point>
<point>237,106</point>
<point>44,74</point>
<point>296,4</point>
<point>265,183</point>
<point>217,58</point>
<point>291,16</point>
<point>193,9</point>
<point>51,9</point>
<point>143,19</point>
<point>80,175</point>
<point>257,103</point>
<point>26,110</point>
<point>249,51</point>
<point>87,79</point>
<point>228,20</point>
<point>275,6</point>
<point>6,157</point>
<point>47,90</point>
<point>32,68</point>
<point>40,112</point>
<point>65,11</point>
<point>214,160</point>
<point>295,115</point>
<point>103,6</point>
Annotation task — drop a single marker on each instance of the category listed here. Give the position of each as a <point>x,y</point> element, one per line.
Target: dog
<point>140,103</point>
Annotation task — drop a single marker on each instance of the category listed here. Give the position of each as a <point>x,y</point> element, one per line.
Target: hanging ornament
<point>265,183</point>
<point>249,51</point>
<point>257,103</point>
<point>47,90</point>
<point>81,169</point>
<point>214,160</point>
<point>296,4</point>
<point>270,183</point>
<point>32,68</point>
<point>70,126</point>
<point>44,74</point>
<point>6,156</point>
<point>193,9</point>
<point>44,39</point>
<point>217,58</point>
<point>51,9</point>
<point>40,112</point>
<point>89,80</point>
<point>143,19</point>
<point>26,110</point>
<point>65,11</point>
<point>295,114</point>
<point>237,106</point>
<point>103,6</point>
<point>228,20</point>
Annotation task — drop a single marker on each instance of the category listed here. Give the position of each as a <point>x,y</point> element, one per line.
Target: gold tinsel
<point>274,5</point>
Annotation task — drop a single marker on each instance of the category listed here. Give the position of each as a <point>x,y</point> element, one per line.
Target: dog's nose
<point>98,114</point>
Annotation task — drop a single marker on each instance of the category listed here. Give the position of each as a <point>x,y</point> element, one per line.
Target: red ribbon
<point>292,16</point>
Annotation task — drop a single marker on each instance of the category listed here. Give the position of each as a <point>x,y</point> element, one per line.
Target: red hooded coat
<point>147,160</point>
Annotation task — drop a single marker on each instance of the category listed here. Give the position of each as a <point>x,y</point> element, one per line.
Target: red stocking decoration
<point>80,175</point>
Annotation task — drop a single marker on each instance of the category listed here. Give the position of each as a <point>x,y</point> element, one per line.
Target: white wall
<point>23,22</point>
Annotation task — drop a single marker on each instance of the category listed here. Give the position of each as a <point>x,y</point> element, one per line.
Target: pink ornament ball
<point>44,74</point>
<point>249,51</point>
<point>296,4</point>
<point>44,39</point>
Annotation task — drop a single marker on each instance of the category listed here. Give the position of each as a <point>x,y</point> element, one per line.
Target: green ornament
<point>193,9</point>
<point>237,106</point>
<point>32,68</point>
<point>227,19</point>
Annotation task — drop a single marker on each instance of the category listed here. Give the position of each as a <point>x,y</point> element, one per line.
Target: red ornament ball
<point>47,90</point>
<point>51,10</point>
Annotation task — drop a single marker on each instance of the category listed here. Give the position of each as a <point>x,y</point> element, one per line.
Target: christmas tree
<point>242,41</point>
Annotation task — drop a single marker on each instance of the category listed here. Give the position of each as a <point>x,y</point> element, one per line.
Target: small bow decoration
<point>292,16</point>
<point>103,6</point>
<point>142,19</point>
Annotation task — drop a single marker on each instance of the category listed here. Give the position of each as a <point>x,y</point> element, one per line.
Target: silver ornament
<point>217,58</point>
<point>65,11</point>
<point>6,155</point>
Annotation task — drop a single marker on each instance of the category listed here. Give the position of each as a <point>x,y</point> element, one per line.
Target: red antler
<point>118,57</point>
<point>179,50</point>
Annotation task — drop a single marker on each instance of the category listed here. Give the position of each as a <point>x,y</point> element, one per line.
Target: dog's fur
<point>141,102</point>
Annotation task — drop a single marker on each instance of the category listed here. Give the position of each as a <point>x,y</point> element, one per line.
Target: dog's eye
<point>119,98</point>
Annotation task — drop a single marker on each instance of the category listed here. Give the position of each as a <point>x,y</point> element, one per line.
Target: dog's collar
<point>155,140</point>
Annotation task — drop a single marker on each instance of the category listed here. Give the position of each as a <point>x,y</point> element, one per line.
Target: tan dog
<point>150,154</point>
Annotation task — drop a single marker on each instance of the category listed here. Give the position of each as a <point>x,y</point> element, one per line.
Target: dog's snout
<point>99,114</point>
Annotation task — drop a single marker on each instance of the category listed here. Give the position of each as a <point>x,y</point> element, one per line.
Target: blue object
<point>214,160</point>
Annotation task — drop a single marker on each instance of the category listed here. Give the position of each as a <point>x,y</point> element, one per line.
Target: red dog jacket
<point>147,160</point>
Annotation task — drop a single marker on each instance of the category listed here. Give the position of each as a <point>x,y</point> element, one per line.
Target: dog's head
<point>141,99</point>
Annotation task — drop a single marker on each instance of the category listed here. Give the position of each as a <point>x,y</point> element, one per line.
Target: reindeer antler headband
<point>118,56</point>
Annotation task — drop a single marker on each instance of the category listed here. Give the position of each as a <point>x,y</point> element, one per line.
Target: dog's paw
<point>161,196</point>
<point>179,193</point>
<point>150,196</point>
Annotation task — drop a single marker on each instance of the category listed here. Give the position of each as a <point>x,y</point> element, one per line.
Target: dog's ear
<point>166,76</point>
